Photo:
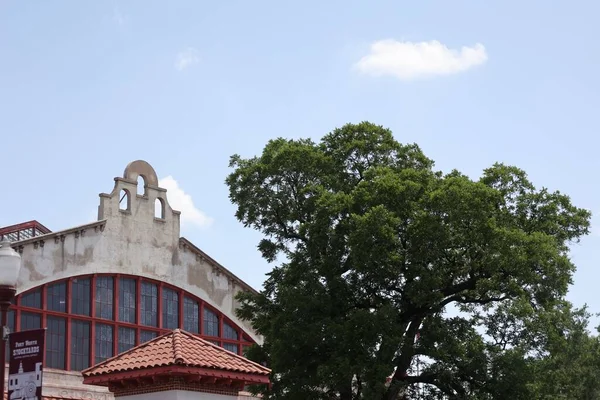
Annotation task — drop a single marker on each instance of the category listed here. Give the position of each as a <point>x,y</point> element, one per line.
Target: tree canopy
<point>391,276</point>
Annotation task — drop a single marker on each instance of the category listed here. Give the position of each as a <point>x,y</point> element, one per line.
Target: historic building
<point>104,287</point>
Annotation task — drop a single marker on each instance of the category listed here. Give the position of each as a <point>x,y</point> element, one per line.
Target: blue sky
<point>88,86</point>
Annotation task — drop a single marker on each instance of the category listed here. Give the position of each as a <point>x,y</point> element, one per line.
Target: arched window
<point>94,317</point>
<point>141,185</point>
<point>159,208</point>
<point>124,200</point>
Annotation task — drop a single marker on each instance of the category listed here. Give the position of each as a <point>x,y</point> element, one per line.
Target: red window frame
<point>243,341</point>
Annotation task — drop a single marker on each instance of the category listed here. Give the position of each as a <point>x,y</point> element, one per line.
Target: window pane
<point>146,336</point>
<point>149,304</point>
<point>104,297</point>
<point>211,323</point>
<point>104,342</point>
<point>80,345</point>
<point>30,321</point>
<point>57,297</point>
<point>170,309</point>
<point>55,342</point>
<point>231,347</point>
<point>127,296</point>
<point>126,339</point>
<point>191,311</point>
<point>229,332</point>
<point>80,298</point>
<point>32,299</point>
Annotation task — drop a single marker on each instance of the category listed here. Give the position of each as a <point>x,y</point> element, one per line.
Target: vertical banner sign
<point>25,364</point>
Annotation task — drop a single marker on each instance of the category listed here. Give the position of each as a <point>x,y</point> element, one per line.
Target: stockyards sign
<point>26,365</point>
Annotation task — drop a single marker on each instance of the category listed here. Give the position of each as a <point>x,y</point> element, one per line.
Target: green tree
<point>373,246</point>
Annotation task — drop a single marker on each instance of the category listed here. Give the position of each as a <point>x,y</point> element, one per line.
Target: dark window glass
<point>149,304</point>
<point>32,299</point>
<point>104,342</point>
<point>127,295</point>
<point>30,321</point>
<point>57,297</point>
<point>170,311</point>
<point>80,296</point>
<point>80,345</point>
<point>104,297</point>
<point>229,332</point>
<point>231,347</point>
<point>211,323</point>
<point>55,342</point>
<point>146,336</point>
<point>126,339</point>
<point>215,342</point>
<point>191,311</point>
<point>10,317</point>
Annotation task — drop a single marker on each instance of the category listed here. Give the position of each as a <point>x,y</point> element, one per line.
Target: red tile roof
<point>178,349</point>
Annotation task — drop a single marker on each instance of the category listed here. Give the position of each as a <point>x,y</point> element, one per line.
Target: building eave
<point>76,229</point>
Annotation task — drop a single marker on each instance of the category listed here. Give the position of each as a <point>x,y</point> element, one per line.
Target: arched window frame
<point>22,312</point>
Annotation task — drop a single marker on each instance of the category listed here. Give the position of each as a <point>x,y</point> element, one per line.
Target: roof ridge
<point>178,357</point>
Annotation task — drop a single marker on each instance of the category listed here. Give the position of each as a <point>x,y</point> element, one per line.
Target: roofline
<point>218,265</point>
<point>170,370</point>
<point>58,233</point>
<point>88,372</point>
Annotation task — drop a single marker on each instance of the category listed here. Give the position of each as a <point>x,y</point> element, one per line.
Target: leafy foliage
<point>375,247</point>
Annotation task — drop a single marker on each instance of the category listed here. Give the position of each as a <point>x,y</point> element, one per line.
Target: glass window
<point>55,342</point>
<point>170,309</point>
<point>126,339</point>
<point>80,345</point>
<point>191,311</point>
<point>211,323</point>
<point>149,304</point>
<point>104,342</point>
<point>80,298</point>
<point>231,347</point>
<point>57,297</point>
<point>32,299</point>
<point>104,297</point>
<point>229,332</point>
<point>127,296</point>
<point>30,321</point>
<point>146,336</point>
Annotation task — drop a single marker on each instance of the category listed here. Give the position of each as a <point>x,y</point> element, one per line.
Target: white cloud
<point>187,58</point>
<point>181,201</point>
<point>408,60</point>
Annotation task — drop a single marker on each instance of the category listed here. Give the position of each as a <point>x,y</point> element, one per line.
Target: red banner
<point>26,364</point>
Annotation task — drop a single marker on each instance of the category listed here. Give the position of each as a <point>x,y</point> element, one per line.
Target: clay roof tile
<point>177,348</point>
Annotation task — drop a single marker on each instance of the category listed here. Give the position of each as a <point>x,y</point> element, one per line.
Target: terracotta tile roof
<point>181,349</point>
